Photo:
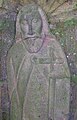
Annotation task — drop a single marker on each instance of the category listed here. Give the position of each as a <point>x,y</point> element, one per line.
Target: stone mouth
<point>34,37</point>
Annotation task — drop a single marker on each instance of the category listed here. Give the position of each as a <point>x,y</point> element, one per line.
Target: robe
<point>38,82</point>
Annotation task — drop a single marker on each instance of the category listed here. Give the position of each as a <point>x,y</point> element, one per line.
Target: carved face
<point>30,23</point>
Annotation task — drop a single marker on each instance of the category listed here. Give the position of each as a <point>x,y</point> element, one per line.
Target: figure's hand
<point>59,71</point>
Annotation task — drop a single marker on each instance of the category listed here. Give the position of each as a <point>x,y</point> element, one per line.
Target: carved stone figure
<point>37,69</point>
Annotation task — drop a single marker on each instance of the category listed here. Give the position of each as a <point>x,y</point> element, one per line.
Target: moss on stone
<point>74,79</point>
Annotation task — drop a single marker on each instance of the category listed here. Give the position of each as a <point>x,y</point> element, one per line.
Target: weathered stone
<point>7,34</point>
<point>0,104</point>
<point>37,70</point>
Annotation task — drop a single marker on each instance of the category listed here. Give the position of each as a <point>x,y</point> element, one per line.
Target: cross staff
<point>52,85</point>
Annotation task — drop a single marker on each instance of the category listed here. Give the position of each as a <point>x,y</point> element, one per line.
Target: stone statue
<point>37,70</point>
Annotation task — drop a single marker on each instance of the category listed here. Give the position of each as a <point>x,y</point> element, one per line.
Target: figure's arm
<point>59,82</point>
<point>59,64</point>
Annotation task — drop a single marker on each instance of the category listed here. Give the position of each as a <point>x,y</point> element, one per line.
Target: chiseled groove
<point>15,81</point>
<point>30,70</point>
<point>20,67</point>
<point>28,78</point>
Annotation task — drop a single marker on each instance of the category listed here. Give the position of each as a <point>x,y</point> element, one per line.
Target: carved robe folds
<point>37,71</point>
<point>38,85</point>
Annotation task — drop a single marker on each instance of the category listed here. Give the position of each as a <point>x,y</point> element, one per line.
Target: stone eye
<point>24,22</point>
<point>34,20</point>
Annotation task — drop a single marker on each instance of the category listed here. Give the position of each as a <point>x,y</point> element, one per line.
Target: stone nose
<point>30,29</point>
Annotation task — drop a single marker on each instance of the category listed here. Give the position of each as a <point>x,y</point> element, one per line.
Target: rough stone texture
<point>57,10</point>
<point>68,41</point>
<point>58,15</point>
<point>0,105</point>
<point>37,71</point>
<point>7,33</point>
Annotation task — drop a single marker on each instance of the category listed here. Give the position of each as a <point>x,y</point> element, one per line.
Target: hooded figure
<point>37,70</point>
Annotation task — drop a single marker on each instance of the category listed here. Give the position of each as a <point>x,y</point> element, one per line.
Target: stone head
<point>31,22</point>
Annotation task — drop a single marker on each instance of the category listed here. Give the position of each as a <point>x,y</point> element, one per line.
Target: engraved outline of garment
<point>16,79</point>
<point>29,74</point>
<point>54,83</point>
<point>37,68</point>
<point>41,60</point>
<point>37,49</point>
<point>31,68</point>
<point>51,54</point>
